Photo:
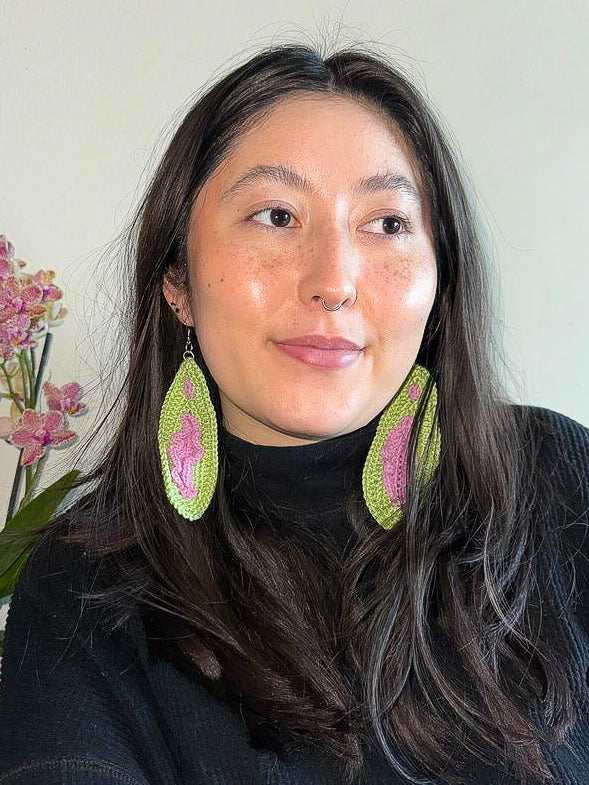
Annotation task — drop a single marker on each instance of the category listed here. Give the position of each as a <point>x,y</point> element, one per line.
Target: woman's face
<point>263,256</point>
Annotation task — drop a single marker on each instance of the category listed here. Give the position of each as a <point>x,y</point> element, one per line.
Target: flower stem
<point>12,393</point>
<point>32,479</point>
<point>31,379</point>
<point>33,362</point>
<point>43,362</point>
<point>28,473</point>
<point>25,378</point>
<point>19,466</point>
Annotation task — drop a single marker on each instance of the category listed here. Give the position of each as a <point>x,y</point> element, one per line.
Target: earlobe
<point>175,301</point>
<point>177,310</point>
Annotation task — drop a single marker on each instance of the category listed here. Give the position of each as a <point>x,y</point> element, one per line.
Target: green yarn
<point>384,505</point>
<point>188,442</point>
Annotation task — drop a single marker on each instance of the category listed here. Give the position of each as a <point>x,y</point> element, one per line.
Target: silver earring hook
<point>188,350</point>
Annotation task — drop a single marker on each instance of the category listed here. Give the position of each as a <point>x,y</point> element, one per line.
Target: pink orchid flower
<point>64,399</point>
<point>38,431</point>
<point>16,296</point>
<point>7,260</point>
<point>43,279</point>
<point>15,334</point>
<point>27,303</point>
<point>34,295</point>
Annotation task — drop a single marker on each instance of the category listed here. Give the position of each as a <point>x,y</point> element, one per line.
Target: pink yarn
<point>394,460</point>
<point>414,392</point>
<point>188,389</point>
<point>394,454</point>
<point>185,451</point>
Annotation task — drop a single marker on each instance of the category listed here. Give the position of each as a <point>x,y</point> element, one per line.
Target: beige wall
<point>92,90</point>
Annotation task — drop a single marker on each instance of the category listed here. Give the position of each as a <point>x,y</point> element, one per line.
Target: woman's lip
<point>324,358</point>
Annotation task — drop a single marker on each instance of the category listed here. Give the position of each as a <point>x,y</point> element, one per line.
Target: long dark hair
<point>404,643</point>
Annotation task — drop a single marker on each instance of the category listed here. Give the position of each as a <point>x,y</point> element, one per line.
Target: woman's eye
<point>280,217</point>
<point>275,212</point>
<point>391,222</point>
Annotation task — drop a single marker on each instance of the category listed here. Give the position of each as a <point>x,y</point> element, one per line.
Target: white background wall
<point>92,90</point>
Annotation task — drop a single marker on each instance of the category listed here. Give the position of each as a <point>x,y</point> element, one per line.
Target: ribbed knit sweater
<point>81,706</point>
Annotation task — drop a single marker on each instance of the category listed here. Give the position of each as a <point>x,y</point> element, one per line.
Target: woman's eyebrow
<point>388,181</point>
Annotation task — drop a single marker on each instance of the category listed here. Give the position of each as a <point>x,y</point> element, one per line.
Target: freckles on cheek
<point>415,281</point>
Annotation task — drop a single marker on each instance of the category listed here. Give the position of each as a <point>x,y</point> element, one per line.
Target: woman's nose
<point>333,266</point>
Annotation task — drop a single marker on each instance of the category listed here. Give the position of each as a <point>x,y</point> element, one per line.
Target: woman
<point>310,561</point>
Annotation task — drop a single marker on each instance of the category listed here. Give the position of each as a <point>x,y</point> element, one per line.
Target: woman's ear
<point>177,301</point>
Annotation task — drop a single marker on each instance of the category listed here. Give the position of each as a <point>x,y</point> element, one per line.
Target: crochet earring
<point>383,475</point>
<point>188,439</point>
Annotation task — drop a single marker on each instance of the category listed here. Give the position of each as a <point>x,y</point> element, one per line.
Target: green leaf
<point>39,510</point>
<point>8,579</point>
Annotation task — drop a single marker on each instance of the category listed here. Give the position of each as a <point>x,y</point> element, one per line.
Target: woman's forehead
<point>297,155</point>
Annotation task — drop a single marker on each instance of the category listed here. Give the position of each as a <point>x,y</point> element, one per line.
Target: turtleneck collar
<point>309,477</point>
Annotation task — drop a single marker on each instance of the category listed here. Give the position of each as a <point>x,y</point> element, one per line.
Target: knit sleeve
<point>67,771</point>
<point>61,720</point>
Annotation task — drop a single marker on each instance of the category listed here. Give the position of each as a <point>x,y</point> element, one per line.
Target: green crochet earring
<point>383,476</point>
<point>188,440</point>
<point>188,444</point>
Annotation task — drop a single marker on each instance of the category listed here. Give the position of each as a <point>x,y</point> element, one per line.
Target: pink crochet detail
<point>414,392</point>
<point>188,389</point>
<point>394,460</point>
<point>185,451</point>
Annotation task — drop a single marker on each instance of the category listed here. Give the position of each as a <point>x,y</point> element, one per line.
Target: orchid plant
<point>29,308</point>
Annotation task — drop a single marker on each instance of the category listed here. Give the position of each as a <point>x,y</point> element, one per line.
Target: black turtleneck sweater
<point>80,704</point>
<point>303,485</point>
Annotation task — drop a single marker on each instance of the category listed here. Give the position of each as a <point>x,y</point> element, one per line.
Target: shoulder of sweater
<point>56,577</point>
<point>563,444</point>
<point>53,566</point>
<point>563,457</point>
